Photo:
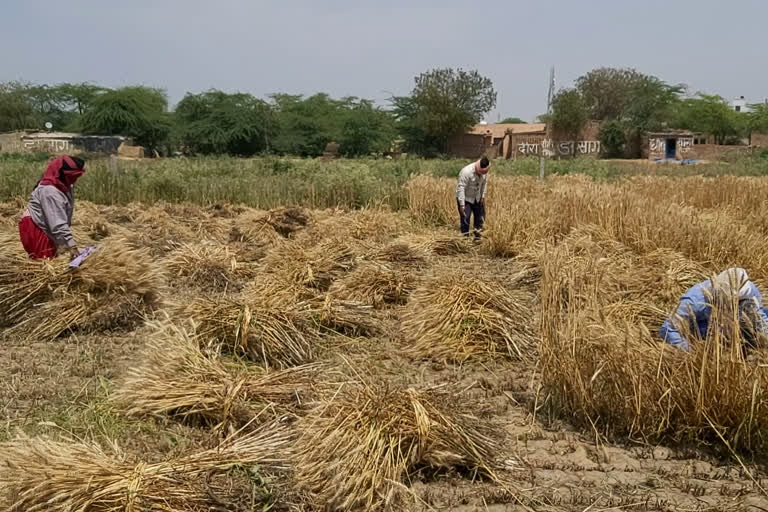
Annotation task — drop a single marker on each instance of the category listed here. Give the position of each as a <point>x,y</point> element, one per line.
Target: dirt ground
<point>60,388</point>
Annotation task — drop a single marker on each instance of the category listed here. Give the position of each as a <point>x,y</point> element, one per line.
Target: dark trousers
<point>476,210</point>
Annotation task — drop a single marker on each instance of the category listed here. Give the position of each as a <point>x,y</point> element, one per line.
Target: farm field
<point>215,356</point>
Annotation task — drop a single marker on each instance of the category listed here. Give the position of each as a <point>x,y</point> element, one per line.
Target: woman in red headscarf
<point>45,225</point>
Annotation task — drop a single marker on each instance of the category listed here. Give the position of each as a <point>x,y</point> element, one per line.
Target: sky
<point>374,49</point>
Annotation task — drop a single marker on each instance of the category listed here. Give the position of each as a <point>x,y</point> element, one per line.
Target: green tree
<point>79,97</point>
<point>306,125</point>
<point>138,112</point>
<point>215,122</point>
<point>365,130</point>
<point>569,112</point>
<point>612,139</point>
<point>16,111</point>
<point>512,120</point>
<point>607,92</point>
<point>643,102</point>
<point>443,103</point>
<point>758,119</point>
<point>711,114</point>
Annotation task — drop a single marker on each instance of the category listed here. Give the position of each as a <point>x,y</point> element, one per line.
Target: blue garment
<point>694,302</point>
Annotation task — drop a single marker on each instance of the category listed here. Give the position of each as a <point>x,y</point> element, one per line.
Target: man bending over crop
<point>45,225</point>
<point>470,195</point>
<point>734,296</point>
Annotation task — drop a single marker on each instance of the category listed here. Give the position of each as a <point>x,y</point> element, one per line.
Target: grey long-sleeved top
<point>51,210</point>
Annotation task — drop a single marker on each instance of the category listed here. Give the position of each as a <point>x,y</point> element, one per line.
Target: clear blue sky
<point>374,48</point>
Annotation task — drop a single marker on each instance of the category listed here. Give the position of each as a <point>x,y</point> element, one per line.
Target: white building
<point>740,105</point>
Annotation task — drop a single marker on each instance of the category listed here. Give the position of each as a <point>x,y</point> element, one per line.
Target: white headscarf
<point>734,280</point>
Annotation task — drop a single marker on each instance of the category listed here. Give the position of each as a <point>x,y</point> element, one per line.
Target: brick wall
<point>759,140</point>
<point>556,145</point>
<point>469,145</point>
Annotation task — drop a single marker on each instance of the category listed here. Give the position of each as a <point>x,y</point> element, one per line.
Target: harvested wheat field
<point>224,358</point>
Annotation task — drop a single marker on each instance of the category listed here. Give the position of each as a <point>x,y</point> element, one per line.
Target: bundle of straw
<point>401,252</point>
<point>208,266</point>
<point>115,287</point>
<point>604,367</point>
<point>288,221</point>
<point>457,315</point>
<point>317,266</point>
<point>174,377</point>
<point>361,443</point>
<point>41,475</point>
<point>443,244</point>
<point>261,331</point>
<point>375,285</point>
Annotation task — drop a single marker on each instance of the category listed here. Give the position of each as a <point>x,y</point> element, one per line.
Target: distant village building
<point>683,145</point>
<point>513,141</point>
<point>61,143</point>
<point>740,105</point>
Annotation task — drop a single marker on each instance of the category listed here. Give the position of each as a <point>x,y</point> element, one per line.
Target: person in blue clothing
<point>731,286</point>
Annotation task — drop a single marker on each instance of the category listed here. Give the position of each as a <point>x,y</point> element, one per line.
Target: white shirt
<point>471,187</point>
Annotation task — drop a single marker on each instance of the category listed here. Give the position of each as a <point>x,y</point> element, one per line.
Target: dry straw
<point>375,284</point>
<point>209,266</point>
<point>459,314</point>
<point>41,475</point>
<point>360,443</point>
<point>604,366</point>
<point>115,287</point>
<point>399,252</point>
<point>263,332</point>
<point>175,377</point>
<point>316,266</point>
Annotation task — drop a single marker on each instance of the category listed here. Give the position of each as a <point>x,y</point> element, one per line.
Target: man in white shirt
<point>470,195</point>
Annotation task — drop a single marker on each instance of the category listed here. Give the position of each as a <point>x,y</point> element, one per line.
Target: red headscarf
<point>63,172</point>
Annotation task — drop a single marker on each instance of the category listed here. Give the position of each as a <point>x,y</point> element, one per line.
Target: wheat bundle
<point>378,223</point>
<point>357,445</point>
<point>317,266</point>
<point>24,282</point>
<point>263,332</point>
<point>209,266</point>
<point>399,252</point>
<point>457,315</point>
<point>115,287</point>
<point>345,316</point>
<point>175,377</point>
<point>287,221</point>
<point>41,475</point>
<point>604,366</point>
<point>375,285</point>
<point>159,231</point>
<point>440,243</point>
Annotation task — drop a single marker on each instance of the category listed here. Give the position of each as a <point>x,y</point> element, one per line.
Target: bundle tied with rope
<point>116,287</point>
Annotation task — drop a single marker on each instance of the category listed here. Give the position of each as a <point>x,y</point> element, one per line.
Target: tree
<point>306,125</point>
<point>758,119</point>
<point>612,139</point>
<point>138,112</point>
<point>569,112</point>
<point>443,103</point>
<point>215,122</point>
<point>711,114</point>
<point>607,91</point>
<point>513,120</point>
<point>16,111</point>
<point>366,130</point>
<point>80,96</point>
<point>642,102</point>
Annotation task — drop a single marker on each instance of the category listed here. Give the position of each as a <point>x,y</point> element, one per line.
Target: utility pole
<point>550,94</point>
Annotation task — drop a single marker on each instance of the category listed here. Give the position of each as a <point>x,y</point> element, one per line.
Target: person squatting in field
<point>731,287</point>
<point>470,195</point>
<point>45,224</point>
